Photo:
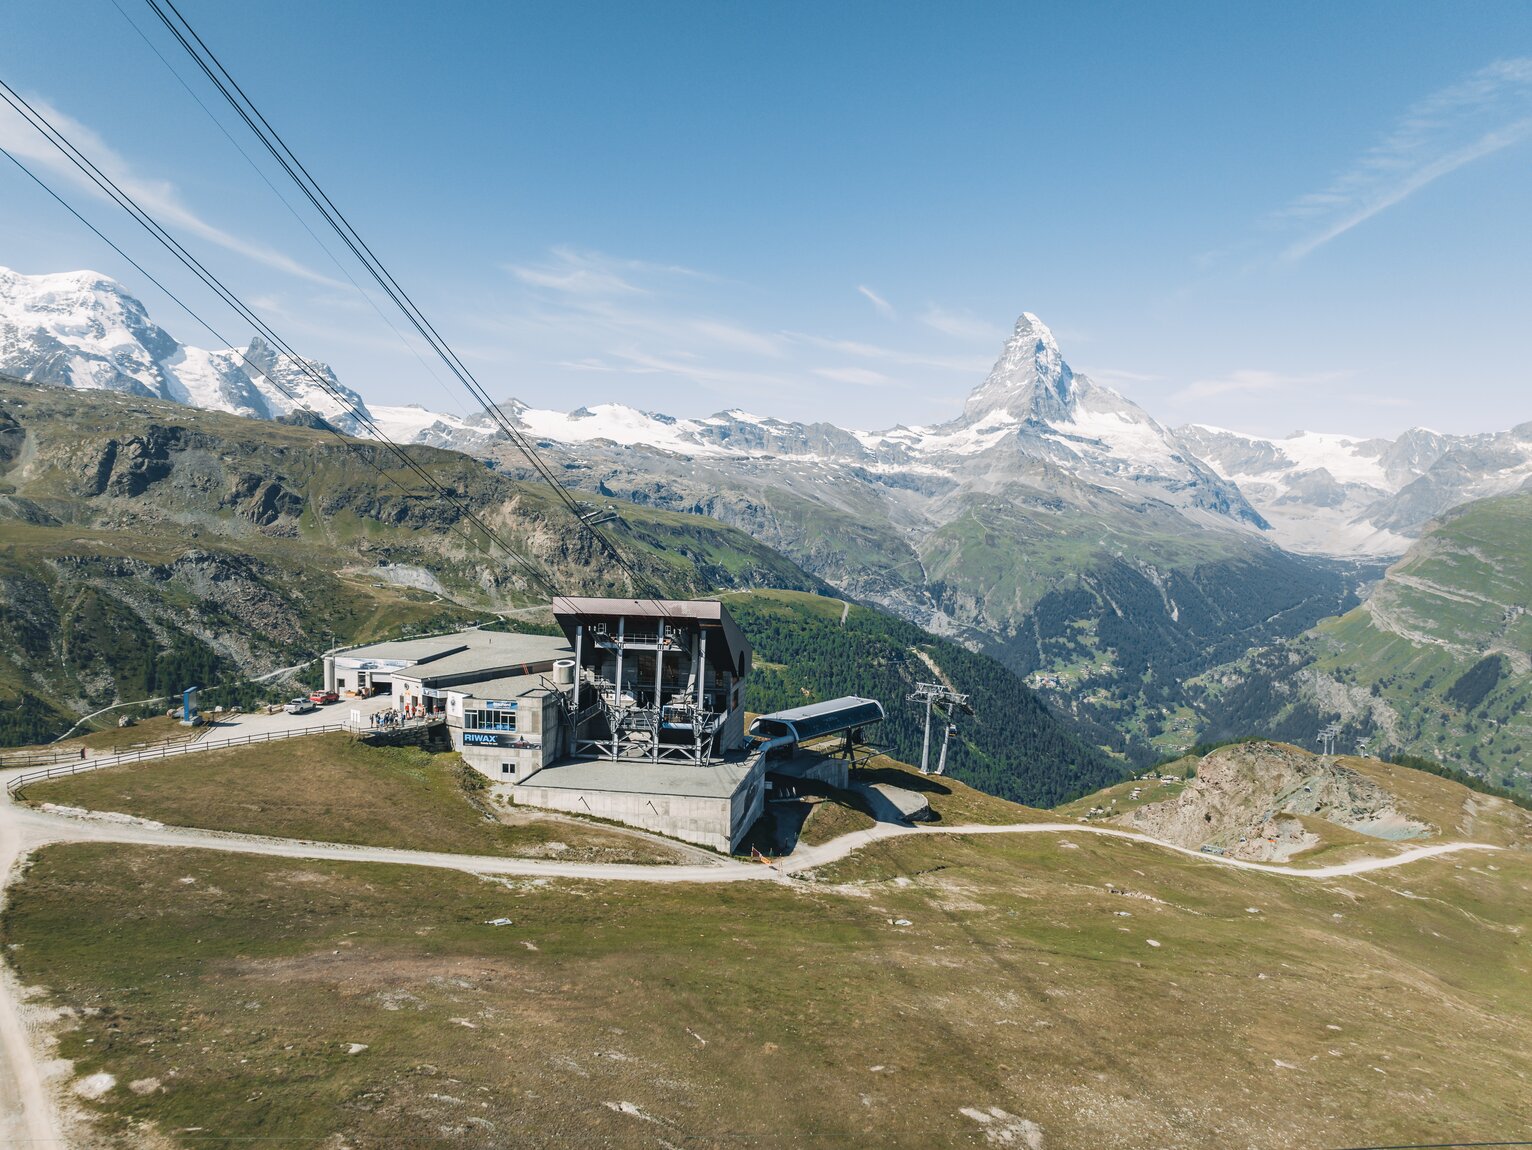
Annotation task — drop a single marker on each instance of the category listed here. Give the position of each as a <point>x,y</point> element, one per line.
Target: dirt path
<point>26,1111</point>
<point>27,1116</point>
<point>806,858</point>
<point>931,664</point>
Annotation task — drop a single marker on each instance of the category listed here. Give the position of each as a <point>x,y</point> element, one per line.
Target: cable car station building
<point>636,714</point>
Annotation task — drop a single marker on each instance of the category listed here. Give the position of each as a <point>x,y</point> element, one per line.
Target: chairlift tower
<point>1327,737</point>
<point>946,702</point>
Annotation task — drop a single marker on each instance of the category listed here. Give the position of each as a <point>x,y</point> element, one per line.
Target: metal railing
<point>152,754</point>
<point>11,760</point>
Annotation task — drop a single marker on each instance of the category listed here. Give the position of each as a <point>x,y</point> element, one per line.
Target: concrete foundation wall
<point>747,805</point>
<point>831,772</point>
<point>490,761</point>
<point>706,822</point>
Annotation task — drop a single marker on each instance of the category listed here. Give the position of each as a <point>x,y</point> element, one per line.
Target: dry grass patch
<point>1009,974</point>
<point>333,788</point>
<point>153,731</point>
<point>1457,812</point>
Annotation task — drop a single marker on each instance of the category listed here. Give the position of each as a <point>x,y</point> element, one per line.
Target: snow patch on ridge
<point>620,424</point>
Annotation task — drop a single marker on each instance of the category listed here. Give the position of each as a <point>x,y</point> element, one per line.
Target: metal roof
<point>503,687</point>
<point>508,654</point>
<point>817,719</point>
<point>711,616</point>
<point>536,653</point>
<point>461,650</point>
<point>408,650</point>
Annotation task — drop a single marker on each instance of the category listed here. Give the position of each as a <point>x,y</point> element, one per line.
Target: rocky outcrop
<point>1250,800</point>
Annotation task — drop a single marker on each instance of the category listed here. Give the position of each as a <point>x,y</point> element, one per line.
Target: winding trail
<point>28,1118</point>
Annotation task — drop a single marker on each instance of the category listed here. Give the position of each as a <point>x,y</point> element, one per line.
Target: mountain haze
<point>1435,663</point>
<point>1052,522</point>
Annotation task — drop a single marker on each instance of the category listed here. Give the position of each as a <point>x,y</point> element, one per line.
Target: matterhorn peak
<point>1030,380</point>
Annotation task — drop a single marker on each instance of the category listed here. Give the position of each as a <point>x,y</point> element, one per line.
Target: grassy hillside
<point>1436,663</point>
<point>146,547</point>
<point>1013,747</point>
<point>1065,990</point>
<point>333,788</point>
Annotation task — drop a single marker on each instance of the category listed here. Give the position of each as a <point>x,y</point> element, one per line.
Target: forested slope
<point>1013,746</point>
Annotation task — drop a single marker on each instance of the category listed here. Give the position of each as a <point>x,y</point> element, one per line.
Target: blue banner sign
<point>493,739</point>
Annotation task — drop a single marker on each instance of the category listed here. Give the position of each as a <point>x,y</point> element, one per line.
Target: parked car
<point>324,697</point>
<point>298,706</point>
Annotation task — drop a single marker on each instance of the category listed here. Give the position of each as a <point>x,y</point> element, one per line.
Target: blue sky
<point>1262,217</point>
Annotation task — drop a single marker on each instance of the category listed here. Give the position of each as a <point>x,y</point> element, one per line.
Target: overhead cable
<point>360,414</point>
<point>181,29</point>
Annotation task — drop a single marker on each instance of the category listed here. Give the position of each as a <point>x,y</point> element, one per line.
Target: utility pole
<point>944,700</point>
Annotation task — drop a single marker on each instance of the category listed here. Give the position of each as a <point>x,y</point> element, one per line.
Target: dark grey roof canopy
<point>819,719</point>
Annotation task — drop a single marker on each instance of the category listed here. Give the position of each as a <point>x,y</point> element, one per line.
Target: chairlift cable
<point>246,108</point>
<point>106,185</point>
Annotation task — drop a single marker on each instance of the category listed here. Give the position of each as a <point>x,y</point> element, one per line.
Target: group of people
<point>395,716</point>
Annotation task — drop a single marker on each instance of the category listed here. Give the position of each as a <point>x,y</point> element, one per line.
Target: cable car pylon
<point>946,702</point>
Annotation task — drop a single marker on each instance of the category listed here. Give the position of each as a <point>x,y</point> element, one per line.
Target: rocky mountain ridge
<point>84,330</point>
<point>1268,802</point>
<point>146,545</point>
<point>1052,523</point>
<point>1311,493</point>
<point>1336,495</point>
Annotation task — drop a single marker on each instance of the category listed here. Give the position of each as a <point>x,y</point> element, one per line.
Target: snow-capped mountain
<point>1337,495</point>
<point>1032,423</point>
<point>1032,410</point>
<point>82,329</point>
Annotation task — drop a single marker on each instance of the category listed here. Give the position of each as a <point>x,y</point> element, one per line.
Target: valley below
<point>1126,917</point>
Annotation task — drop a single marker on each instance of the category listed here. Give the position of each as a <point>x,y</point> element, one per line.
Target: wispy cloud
<point>572,272</point>
<point>159,198</point>
<point>613,328</point>
<point>1482,115</point>
<point>734,336</point>
<point>975,365</point>
<point>1113,375</point>
<point>961,325</point>
<point>724,379</point>
<point>883,306</point>
<point>861,376</point>
<point>1250,381</point>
